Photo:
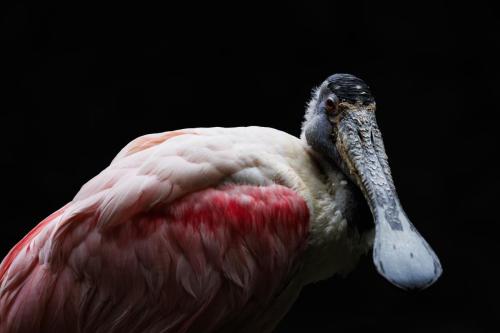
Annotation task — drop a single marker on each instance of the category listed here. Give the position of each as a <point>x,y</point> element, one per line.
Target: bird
<point>218,229</point>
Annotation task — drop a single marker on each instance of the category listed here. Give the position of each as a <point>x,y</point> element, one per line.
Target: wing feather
<point>154,244</point>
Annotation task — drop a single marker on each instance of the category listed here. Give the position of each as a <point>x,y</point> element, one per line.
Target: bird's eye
<point>331,105</point>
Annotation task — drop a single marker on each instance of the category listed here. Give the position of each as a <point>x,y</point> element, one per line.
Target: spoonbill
<point>217,229</point>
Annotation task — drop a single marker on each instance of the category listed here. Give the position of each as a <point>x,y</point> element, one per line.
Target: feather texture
<point>213,259</point>
<point>174,236</point>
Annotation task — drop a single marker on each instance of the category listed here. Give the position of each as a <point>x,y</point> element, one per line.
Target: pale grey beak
<point>400,253</point>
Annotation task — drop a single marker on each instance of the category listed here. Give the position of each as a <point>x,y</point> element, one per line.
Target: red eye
<point>331,104</point>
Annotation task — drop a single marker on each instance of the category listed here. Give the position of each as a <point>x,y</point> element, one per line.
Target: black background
<point>79,82</point>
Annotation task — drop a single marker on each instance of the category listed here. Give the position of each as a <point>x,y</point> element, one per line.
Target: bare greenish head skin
<point>341,126</point>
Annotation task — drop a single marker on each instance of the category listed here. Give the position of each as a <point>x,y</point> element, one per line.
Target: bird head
<point>340,125</point>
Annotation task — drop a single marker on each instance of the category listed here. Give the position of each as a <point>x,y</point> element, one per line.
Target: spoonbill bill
<point>217,229</point>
